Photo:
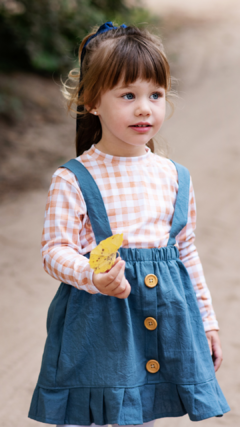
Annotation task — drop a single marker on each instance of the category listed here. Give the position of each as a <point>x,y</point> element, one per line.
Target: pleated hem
<point>125,406</point>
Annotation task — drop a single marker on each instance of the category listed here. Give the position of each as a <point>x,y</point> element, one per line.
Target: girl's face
<point>130,116</point>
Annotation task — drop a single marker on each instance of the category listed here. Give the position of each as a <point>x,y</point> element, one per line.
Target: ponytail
<point>89,132</point>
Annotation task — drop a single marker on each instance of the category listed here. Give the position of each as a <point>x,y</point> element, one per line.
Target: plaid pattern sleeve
<point>191,260</point>
<point>61,243</point>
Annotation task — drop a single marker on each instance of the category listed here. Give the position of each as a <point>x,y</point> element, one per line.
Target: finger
<point>210,345</point>
<point>217,358</point>
<point>116,261</point>
<point>115,275</point>
<point>120,286</point>
<point>126,292</point>
<point>217,363</point>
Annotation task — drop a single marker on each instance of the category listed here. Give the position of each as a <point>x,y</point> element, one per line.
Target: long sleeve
<point>65,217</point>
<point>191,260</point>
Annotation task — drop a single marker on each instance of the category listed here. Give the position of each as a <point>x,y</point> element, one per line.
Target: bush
<point>44,35</point>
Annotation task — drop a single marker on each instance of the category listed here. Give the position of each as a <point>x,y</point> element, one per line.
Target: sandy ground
<point>203,134</point>
<point>194,8</point>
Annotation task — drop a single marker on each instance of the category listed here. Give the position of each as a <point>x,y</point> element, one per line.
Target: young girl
<point>129,345</point>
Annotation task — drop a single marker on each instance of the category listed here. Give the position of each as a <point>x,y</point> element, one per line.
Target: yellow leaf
<point>103,256</point>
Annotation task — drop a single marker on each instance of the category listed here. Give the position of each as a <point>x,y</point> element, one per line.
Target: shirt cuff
<point>210,325</point>
<point>87,281</point>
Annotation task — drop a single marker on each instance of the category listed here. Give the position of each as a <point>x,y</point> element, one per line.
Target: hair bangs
<point>132,59</point>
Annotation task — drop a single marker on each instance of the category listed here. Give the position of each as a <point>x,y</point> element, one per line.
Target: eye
<point>156,95</point>
<point>128,96</point>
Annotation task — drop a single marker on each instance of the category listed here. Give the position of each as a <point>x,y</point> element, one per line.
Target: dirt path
<point>209,9</point>
<point>203,134</point>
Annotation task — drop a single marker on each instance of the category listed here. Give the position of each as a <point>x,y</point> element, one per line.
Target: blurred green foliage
<point>43,35</point>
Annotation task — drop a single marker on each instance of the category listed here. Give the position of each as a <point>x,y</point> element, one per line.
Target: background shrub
<point>43,36</point>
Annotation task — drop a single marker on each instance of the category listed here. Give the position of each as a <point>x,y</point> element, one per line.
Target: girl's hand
<point>113,283</point>
<point>215,348</point>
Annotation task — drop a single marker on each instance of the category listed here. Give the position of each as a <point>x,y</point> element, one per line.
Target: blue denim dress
<point>128,361</point>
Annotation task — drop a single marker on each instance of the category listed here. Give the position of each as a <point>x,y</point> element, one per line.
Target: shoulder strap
<point>180,216</point>
<point>95,206</point>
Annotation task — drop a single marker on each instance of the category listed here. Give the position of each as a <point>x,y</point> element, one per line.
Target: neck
<point>125,150</point>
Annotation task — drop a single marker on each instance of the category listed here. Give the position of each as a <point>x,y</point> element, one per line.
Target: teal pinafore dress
<point>128,361</point>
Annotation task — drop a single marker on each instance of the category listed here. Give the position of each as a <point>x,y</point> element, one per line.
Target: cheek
<point>113,112</point>
<point>161,113</point>
<point>118,116</point>
<point>114,122</point>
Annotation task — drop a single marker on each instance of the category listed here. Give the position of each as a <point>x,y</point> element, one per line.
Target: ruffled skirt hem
<point>125,406</point>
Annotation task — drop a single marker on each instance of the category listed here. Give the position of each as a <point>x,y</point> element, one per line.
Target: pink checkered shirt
<point>139,194</point>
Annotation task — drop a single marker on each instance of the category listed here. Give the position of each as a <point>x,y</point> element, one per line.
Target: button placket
<point>150,323</point>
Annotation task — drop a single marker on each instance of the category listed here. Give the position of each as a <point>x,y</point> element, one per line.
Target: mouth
<point>141,127</point>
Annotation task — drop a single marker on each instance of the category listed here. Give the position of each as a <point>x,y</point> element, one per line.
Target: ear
<point>91,110</point>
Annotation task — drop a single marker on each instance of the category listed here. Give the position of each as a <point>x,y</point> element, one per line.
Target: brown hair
<point>119,54</point>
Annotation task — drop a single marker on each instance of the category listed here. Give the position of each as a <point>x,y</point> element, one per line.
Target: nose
<point>143,108</point>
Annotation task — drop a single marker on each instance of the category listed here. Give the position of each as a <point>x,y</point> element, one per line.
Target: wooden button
<point>151,280</point>
<point>152,366</point>
<point>150,323</point>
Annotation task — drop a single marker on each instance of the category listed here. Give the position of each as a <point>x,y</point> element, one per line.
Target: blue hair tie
<point>102,29</point>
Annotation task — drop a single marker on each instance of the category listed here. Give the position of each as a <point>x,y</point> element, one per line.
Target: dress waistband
<point>149,254</point>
